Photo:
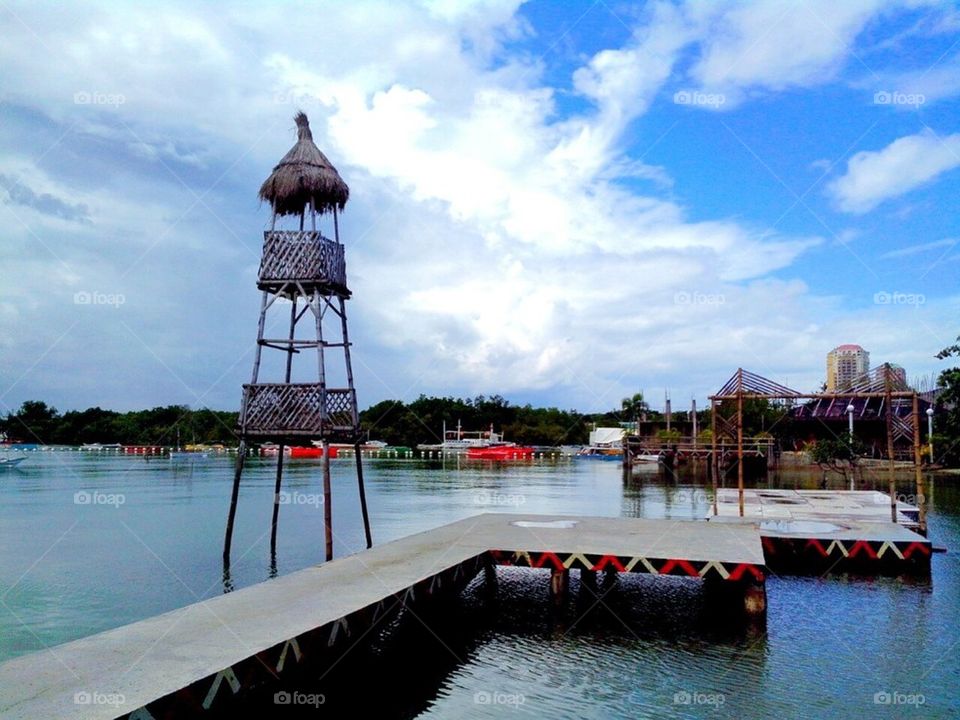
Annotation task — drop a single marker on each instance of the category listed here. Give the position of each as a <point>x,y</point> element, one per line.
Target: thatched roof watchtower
<point>304,179</point>
<point>309,271</point>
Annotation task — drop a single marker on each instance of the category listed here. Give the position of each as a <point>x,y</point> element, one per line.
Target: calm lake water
<point>90,542</point>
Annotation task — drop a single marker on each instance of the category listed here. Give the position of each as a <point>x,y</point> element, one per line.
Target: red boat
<point>500,452</point>
<point>310,452</point>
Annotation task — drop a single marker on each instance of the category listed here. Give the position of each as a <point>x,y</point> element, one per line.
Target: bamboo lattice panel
<point>296,410</point>
<point>302,256</point>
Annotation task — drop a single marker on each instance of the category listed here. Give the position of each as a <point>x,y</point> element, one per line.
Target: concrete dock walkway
<point>212,655</point>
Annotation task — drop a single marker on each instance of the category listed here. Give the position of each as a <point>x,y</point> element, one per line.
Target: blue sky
<point>558,202</point>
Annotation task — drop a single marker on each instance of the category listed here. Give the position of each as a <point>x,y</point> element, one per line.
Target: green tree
<point>947,436</point>
<point>634,406</point>
<point>34,422</point>
<point>837,454</point>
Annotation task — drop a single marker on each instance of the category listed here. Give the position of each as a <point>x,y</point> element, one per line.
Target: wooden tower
<point>303,281</point>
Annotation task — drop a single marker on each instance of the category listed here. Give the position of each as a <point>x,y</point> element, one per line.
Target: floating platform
<point>818,531</point>
<point>236,650</point>
<point>829,505</point>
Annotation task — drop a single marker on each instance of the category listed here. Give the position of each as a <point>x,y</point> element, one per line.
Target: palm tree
<point>635,406</point>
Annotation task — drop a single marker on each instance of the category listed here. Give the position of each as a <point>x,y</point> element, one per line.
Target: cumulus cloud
<point>494,243</point>
<point>905,164</point>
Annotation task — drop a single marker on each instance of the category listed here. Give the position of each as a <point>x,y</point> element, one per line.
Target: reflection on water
<point>149,539</point>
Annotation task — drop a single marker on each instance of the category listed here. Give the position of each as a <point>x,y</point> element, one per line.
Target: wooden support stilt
<point>714,460</point>
<point>888,399</point>
<point>559,584</point>
<point>918,469</point>
<point>276,501</point>
<point>238,471</point>
<point>327,504</point>
<point>363,497</point>
<point>755,599</point>
<point>740,440</point>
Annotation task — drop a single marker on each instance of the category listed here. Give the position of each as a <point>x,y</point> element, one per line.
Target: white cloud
<point>904,165</point>
<point>492,243</point>
<point>776,45</point>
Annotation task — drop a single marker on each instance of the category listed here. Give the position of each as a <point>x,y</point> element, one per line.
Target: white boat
<point>461,440</point>
<point>10,462</point>
<point>646,459</point>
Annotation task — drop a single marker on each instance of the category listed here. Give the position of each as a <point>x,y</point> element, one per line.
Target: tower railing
<point>302,256</point>
<point>297,410</point>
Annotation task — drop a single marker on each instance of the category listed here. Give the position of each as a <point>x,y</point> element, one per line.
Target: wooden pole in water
<point>238,470</point>
<point>917,469</point>
<point>893,469</point>
<point>327,509</point>
<point>714,461</point>
<point>740,438</point>
<point>356,420</point>
<point>276,501</point>
<point>363,497</point>
<point>276,490</point>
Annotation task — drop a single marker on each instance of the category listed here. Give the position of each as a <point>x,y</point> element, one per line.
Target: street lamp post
<point>930,431</point>
<point>850,411</point>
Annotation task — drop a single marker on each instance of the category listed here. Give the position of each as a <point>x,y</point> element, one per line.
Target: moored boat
<point>503,451</point>
<point>599,453</point>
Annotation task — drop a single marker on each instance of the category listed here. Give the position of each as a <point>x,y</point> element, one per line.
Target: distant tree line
<point>422,420</point>
<point>393,421</point>
<point>37,422</point>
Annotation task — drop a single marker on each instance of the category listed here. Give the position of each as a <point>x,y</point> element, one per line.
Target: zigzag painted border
<point>907,552</point>
<point>314,648</point>
<point>705,569</point>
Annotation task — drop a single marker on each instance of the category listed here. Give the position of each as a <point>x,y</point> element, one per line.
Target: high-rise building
<point>846,364</point>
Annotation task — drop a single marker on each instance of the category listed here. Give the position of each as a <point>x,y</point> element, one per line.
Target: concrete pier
<point>212,657</point>
<point>816,531</point>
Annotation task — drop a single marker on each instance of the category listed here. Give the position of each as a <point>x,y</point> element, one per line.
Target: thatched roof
<point>303,174</point>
